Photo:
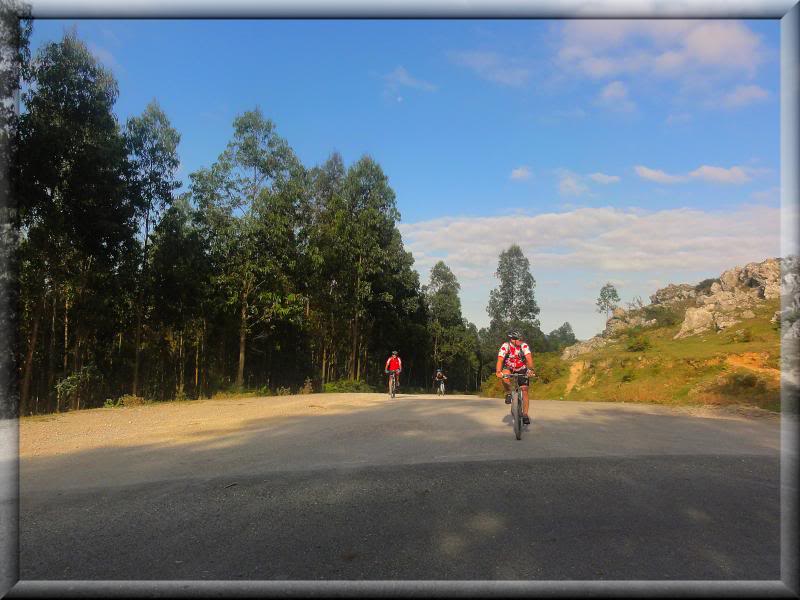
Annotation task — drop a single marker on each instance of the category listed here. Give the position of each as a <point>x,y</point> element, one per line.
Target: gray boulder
<point>697,320</point>
<point>673,293</point>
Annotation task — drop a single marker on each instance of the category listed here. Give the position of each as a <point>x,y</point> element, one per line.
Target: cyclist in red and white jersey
<point>393,363</point>
<point>515,357</point>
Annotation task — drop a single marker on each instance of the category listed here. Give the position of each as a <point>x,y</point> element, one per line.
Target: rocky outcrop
<point>622,320</point>
<point>575,350</point>
<point>732,299</point>
<point>673,293</point>
<point>762,279</point>
<point>728,300</point>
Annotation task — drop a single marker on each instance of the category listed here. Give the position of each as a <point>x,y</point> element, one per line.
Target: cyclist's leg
<point>524,389</point>
<point>506,383</point>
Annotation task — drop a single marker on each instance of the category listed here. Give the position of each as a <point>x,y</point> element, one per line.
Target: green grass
<point>648,365</point>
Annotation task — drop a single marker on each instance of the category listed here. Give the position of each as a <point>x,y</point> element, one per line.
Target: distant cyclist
<point>438,379</point>
<point>515,357</point>
<point>393,363</point>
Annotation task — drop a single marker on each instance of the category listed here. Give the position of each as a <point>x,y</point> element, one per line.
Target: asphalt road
<point>417,488</point>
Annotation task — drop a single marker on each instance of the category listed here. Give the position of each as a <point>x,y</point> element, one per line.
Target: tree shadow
<point>415,489</point>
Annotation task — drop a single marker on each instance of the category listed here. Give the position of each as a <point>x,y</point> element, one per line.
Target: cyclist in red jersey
<point>515,357</point>
<point>393,363</point>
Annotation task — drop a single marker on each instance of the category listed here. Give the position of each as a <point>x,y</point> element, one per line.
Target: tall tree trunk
<point>51,355</point>
<point>180,365</point>
<point>66,335</point>
<point>324,361</point>
<point>137,342</point>
<point>196,363</point>
<point>242,342</point>
<point>28,369</point>
<point>204,362</point>
<point>140,301</point>
<point>78,364</point>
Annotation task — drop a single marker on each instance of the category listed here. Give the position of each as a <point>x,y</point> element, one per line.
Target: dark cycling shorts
<point>522,380</point>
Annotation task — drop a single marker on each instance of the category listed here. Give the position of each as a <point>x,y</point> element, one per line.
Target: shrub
<point>738,382</point>
<point>549,367</point>
<point>664,316</point>
<point>639,343</point>
<point>628,376</point>
<point>284,391</point>
<point>78,385</point>
<point>347,386</point>
<point>308,387</point>
<point>492,387</point>
<point>705,285</point>
<point>740,336</point>
<point>129,400</point>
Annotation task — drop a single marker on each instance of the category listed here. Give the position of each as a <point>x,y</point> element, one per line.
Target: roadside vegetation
<point>734,366</point>
<point>256,275</point>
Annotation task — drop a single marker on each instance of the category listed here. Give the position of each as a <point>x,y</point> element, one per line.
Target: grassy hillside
<point>739,365</point>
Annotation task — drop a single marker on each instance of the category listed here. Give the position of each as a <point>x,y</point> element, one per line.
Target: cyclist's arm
<point>529,358</point>
<point>399,364</point>
<point>498,370</point>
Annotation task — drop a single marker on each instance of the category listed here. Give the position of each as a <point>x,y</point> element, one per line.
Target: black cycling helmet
<point>438,370</point>
<point>394,352</point>
<point>514,335</point>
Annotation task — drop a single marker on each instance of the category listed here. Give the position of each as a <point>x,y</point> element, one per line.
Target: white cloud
<point>603,178</point>
<point>732,175</point>
<point>674,48</point>
<point>569,184</point>
<point>615,95</point>
<point>773,193</point>
<point>523,172</point>
<point>400,77</point>
<point>633,245</point>
<point>744,95</point>
<point>720,174</point>
<point>657,175</point>
<point>105,56</point>
<point>493,67</point>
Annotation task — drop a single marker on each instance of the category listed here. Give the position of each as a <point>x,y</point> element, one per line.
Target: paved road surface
<point>346,487</point>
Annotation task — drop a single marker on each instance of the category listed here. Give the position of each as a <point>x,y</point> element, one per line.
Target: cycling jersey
<point>394,364</point>
<point>513,356</point>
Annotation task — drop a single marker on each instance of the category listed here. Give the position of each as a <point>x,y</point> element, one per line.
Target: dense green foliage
<point>261,276</point>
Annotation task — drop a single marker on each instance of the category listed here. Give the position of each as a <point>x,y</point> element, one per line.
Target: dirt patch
<point>167,424</point>
<point>575,370</point>
<point>754,361</point>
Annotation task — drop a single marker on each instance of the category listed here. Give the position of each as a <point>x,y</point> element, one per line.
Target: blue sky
<point>637,152</point>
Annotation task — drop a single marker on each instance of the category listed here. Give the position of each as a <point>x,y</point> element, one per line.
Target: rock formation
<point>728,302</point>
<point>717,307</point>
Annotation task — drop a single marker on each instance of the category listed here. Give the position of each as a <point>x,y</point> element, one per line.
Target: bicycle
<point>392,382</point>
<point>440,388</point>
<point>516,402</point>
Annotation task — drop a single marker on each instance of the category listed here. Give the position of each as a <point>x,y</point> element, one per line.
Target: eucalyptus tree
<point>513,303</point>
<point>76,215</point>
<point>179,277</point>
<point>326,263</point>
<point>446,323</point>
<point>608,299</point>
<point>236,196</point>
<point>366,225</point>
<point>152,145</point>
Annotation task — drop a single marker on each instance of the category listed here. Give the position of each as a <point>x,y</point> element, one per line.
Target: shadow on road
<point>414,489</point>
